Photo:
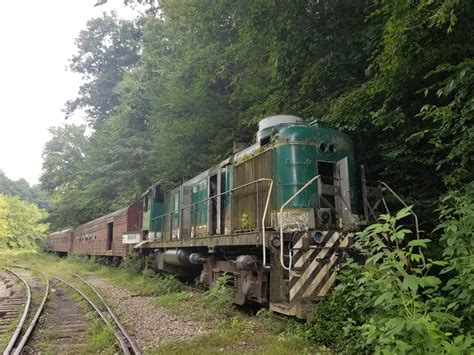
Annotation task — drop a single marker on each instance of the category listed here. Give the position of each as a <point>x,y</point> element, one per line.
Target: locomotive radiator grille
<point>315,269</point>
<point>248,203</point>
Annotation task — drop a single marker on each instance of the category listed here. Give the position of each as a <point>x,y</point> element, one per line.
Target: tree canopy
<point>23,190</point>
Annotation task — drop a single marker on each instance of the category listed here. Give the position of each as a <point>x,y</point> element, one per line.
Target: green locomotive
<point>274,219</point>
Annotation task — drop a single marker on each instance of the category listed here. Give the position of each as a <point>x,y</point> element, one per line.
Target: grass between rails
<point>99,337</point>
<point>5,338</point>
<point>228,329</point>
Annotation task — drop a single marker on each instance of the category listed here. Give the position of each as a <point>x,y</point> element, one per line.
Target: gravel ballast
<point>148,324</point>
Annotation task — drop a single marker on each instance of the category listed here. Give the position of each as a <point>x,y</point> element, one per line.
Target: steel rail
<point>122,343</point>
<point>15,335</point>
<point>32,325</point>
<point>124,331</point>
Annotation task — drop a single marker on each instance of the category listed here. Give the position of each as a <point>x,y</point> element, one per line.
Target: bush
<point>136,263</point>
<point>392,303</point>
<point>220,296</point>
<point>164,284</point>
<point>457,227</point>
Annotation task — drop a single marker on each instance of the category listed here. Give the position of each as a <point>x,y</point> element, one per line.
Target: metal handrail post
<point>264,247</point>
<point>256,203</point>
<point>415,217</point>
<point>404,204</point>
<point>282,262</point>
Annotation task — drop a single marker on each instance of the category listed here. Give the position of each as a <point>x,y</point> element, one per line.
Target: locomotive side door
<point>185,220</point>
<point>343,201</point>
<point>214,203</point>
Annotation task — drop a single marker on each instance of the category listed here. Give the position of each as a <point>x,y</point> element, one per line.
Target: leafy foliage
<point>63,157</point>
<point>220,296</point>
<point>20,223</point>
<point>415,102</point>
<point>393,302</point>
<point>457,226</point>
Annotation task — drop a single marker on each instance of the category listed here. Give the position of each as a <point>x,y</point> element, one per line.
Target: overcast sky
<point>37,39</point>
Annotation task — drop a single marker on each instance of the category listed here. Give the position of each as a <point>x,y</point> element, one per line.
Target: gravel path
<point>148,324</point>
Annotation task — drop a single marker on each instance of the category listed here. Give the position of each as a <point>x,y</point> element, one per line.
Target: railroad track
<point>13,296</point>
<point>34,290</point>
<point>127,344</point>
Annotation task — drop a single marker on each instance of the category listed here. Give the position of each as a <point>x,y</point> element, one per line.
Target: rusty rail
<point>124,331</point>
<point>17,331</point>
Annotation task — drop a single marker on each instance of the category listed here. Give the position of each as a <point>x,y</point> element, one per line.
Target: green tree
<point>63,157</point>
<point>107,48</point>
<point>416,104</point>
<point>20,223</point>
<point>23,190</point>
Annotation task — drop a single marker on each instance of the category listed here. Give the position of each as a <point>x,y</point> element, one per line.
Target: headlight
<point>318,237</point>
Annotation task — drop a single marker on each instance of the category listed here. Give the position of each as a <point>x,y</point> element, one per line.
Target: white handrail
<point>282,262</point>
<point>263,223</point>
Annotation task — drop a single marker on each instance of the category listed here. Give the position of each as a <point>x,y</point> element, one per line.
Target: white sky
<point>36,41</point>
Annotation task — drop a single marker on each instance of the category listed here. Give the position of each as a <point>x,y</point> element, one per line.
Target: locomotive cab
<point>153,206</point>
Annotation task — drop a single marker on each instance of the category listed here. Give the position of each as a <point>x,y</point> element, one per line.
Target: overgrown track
<point>125,341</point>
<point>33,284</point>
<point>13,297</point>
<point>124,331</point>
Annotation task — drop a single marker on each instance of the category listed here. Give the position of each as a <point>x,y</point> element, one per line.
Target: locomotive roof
<point>149,188</point>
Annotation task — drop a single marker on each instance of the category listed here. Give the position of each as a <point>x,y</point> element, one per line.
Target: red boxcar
<point>103,236</point>
<point>61,242</point>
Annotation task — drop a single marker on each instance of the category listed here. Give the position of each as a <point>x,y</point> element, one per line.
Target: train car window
<point>265,140</point>
<point>159,194</point>
<point>223,182</point>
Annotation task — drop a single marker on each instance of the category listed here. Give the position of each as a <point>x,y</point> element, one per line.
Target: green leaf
<point>419,243</point>
<point>411,282</point>
<point>385,297</point>
<point>429,281</point>
<point>404,212</point>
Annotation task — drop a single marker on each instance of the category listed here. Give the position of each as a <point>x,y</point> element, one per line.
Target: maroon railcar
<point>103,236</point>
<point>61,242</point>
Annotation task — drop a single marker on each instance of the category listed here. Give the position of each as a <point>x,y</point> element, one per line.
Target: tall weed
<point>392,303</point>
<point>220,296</point>
<point>457,227</point>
